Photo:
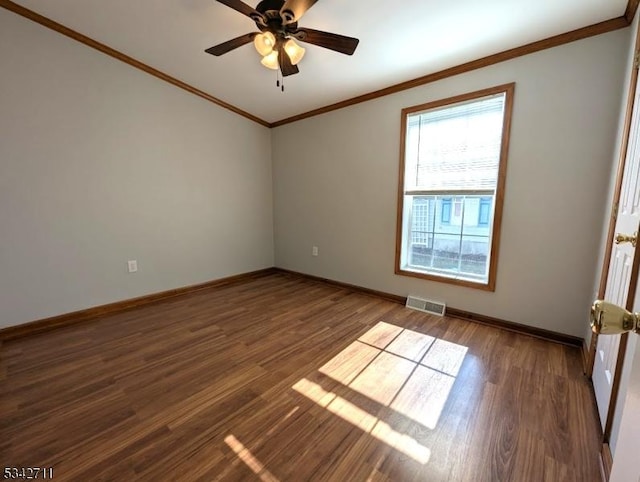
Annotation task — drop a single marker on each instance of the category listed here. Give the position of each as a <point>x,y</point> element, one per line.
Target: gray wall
<point>101,163</point>
<point>335,186</point>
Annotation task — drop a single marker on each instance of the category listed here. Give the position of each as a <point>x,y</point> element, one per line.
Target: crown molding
<point>568,37</point>
<point>94,44</point>
<point>630,12</point>
<point>592,30</point>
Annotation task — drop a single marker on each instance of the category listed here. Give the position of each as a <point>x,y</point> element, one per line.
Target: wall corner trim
<point>606,462</point>
<point>66,319</point>
<point>585,358</point>
<point>541,333</point>
<point>630,12</point>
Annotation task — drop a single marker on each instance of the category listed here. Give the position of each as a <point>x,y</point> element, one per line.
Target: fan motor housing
<point>267,5</point>
<point>271,10</point>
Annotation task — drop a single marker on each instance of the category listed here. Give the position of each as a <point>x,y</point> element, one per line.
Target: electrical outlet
<point>314,251</point>
<point>132,265</point>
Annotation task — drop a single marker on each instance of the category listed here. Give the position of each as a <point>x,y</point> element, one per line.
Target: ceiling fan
<point>277,21</point>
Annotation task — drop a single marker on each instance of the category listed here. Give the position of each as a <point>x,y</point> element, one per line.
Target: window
<point>452,175</point>
<point>445,215</point>
<point>484,213</point>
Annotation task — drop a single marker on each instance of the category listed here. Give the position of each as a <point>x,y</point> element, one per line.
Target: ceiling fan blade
<point>292,10</point>
<point>286,67</point>
<point>331,41</point>
<point>240,6</point>
<point>229,45</point>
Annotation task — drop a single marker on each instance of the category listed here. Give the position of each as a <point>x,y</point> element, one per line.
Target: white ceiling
<point>399,41</point>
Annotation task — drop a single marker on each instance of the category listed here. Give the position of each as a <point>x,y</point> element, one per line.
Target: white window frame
<point>403,237</point>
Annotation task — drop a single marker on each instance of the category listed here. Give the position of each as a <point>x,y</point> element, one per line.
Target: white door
<point>626,467</point>
<point>620,266</point>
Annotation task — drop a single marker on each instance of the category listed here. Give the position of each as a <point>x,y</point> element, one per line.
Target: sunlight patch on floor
<point>423,397</point>
<point>363,420</point>
<point>249,459</point>
<point>410,372</point>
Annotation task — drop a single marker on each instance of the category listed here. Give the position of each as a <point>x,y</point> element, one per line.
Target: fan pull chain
<point>279,80</point>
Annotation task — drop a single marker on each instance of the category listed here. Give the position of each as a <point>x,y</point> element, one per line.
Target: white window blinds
<point>456,147</point>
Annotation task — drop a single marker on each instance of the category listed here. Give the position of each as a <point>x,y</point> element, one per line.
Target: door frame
<point>624,145</point>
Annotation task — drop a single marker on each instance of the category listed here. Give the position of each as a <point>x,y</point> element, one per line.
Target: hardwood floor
<point>287,379</point>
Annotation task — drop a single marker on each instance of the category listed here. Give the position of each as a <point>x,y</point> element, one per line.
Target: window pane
<point>456,147</point>
<point>475,255</point>
<point>446,241</point>
<point>446,211</point>
<point>484,213</point>
<point>446,252</point>
<point>422,222</point>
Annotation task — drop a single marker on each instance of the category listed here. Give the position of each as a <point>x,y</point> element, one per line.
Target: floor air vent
<point>427,306</point>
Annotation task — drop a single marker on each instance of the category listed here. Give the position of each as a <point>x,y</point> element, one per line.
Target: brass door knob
<point>625,238</point>
<point>610,319</point>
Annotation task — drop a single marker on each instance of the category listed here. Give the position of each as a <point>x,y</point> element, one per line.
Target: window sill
<point>488,286</point>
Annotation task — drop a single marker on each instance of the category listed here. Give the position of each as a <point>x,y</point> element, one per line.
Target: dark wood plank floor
<point>282,378</point>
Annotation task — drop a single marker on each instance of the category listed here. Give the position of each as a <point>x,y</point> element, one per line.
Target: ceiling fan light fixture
<point>275,40</point>
<point>264,43</point>
<point>294,51</point>
<point>270,61</point>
